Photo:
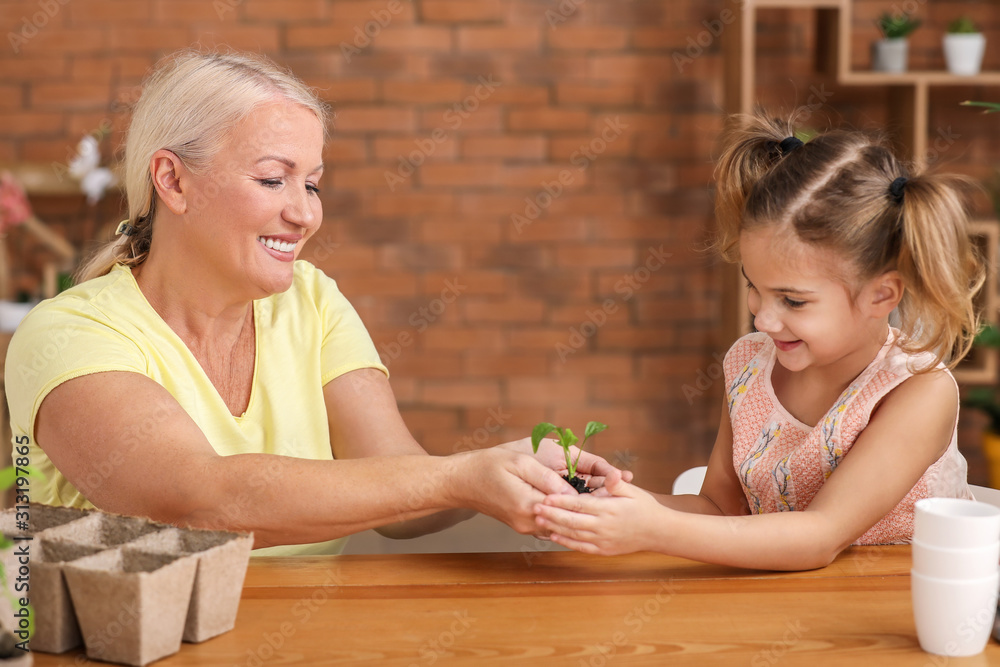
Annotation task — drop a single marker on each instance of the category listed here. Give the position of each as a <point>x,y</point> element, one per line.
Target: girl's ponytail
<point>940,266</point>
<point>753,145</point>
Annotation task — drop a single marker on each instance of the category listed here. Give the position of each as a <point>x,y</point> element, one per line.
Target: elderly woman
<point>201,375</point>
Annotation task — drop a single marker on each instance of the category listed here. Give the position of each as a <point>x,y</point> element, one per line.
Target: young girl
<point>834,423</point>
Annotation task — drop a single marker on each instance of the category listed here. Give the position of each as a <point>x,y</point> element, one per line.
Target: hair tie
<point>125,228</point>
<point>896,189</point>
<point>789,144</point>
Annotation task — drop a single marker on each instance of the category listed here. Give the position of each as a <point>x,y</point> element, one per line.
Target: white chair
<point>986,495</point>
<point>689,481</point>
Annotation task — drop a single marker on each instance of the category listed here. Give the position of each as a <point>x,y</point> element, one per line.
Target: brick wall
<point>517,194</point>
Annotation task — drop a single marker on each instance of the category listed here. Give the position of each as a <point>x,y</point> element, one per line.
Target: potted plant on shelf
<point>566,439</point>
<point>889,54</point>
<point>987,401</point>
<point>964,47</point>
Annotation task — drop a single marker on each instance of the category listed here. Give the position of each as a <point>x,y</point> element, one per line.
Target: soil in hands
<point>578,483</point>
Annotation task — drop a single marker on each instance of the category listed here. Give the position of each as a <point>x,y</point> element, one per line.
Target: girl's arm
<point>906,434</point>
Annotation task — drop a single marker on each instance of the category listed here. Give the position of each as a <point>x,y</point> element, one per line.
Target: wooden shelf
<point>909,95</point>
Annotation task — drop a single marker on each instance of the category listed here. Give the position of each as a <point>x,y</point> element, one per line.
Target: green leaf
<point>593,428</point>
<point>991,107</point>
<point>568,439</point>
<point>538,434</point>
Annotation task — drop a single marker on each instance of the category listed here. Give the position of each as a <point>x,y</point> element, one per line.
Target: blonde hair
<point>188,104</point>
<point>834,192</point>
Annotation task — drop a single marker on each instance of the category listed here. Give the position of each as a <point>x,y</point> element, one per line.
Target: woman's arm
<point>88,427</point>
<point>908,432</point>
<point>364,421</point>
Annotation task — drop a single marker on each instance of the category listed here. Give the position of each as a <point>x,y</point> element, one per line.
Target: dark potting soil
<point>578,483</point>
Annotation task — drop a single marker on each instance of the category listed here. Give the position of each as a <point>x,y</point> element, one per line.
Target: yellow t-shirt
<point>305,337</point>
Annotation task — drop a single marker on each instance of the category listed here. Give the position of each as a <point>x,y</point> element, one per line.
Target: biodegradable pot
<point>56,627</point>
<point>890,55</point>
<point>131,605</point>
<point>222,560</point>
<point>963,52</point>
<point>103,530</point>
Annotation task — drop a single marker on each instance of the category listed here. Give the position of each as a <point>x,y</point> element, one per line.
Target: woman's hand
<point>622,523</point>
<point>597,470</point>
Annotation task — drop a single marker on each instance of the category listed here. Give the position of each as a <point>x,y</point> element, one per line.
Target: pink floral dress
<point>782,463</point>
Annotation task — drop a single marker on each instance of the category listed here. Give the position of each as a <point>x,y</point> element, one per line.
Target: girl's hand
<point>621,523</point>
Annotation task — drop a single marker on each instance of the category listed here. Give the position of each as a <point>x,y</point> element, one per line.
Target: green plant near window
<point>896,26</point>
<point>963,25</point>
<point>988,107</point>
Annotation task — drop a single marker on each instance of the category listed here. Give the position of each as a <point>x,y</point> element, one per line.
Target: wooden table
<point>565,608</point>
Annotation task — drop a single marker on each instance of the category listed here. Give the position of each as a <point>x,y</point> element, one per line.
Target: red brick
<point>588,38</point>
<point>148,39</point>
<point>419,419</point>
<point>465,282</point>
<point>374,119</point>
<point>28,68</point>
<point>595,364</point>
<point>423,92</point>
<point>359,177</point>
<point>576,418</point>
<point>596,95</point>
<point>540,339</point>
<point>558,177</point>
<point>54,152</point>
<point>516,94</point>
<point>184,12</point>
<point>414,149</point>
<point>478,393</point>
<point>503,310</point>
<point>69,95</point>
<point>548,119</point>
<point>580,148</point>
<point>525,365</point>
<point>342,91</point>
<point>340,150</point>
<point>30,123</point>
<point>529,148</point>
<point>505,38</point>
<point>53,40</point>
<point>632,67</point>
<point>411,204</point>
<point>103,12</point>
<point>109,68</point>
<point>548,229</point>
<point>636,338</point>
<point>380,282</point>
<point>462,11</point>
<point>545,391</point>
<point>424,39</point>
<point>412,363</point>
<point>461,174</point>
<point>259,38</point>
<point>437,229</point>
<point>364,11</point>
<point>11,96</point>
<point>284,11</point>
<point>457,118</point>
<point>332,37</point>
<point>462,338</point>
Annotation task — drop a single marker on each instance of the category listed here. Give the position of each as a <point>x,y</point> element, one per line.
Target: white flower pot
<point>890,55</point>
<point>963,52</point>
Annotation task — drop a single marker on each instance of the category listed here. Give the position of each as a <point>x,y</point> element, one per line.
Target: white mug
<point>968,563</point>
<point>955,523</point>
<point>954,618</point>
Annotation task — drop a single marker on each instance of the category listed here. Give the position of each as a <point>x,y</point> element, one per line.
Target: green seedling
<point>566,439</point>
